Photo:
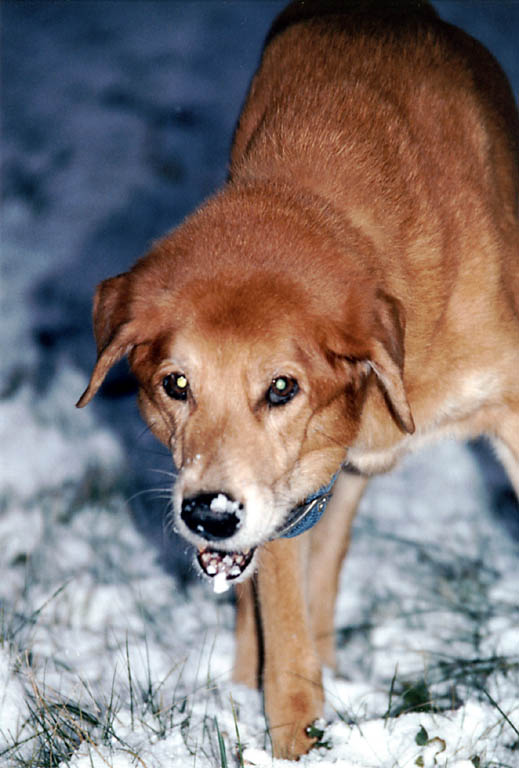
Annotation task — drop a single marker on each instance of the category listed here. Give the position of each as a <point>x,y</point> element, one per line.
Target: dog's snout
<point>214,516</point>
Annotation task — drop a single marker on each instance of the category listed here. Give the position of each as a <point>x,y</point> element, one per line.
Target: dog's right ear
<point>114,331</point>
<point>386,358</point>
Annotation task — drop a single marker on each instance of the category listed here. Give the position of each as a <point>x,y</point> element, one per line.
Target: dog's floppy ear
<point>386,357</point>
<point>372,337</point>
<point>114,332</point>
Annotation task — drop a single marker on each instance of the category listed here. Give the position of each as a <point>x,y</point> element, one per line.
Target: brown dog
<point>352,292</point>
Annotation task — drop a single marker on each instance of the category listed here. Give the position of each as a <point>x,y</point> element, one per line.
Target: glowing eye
<point>282,389</point>
<point>176,386</point>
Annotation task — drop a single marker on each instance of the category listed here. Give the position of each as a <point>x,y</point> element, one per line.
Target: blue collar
<point>307,514</point>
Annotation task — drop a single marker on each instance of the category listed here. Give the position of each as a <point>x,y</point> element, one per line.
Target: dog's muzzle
<point>217,517</point>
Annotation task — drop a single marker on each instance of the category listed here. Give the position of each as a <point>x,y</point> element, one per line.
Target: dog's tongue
<point>223,567</point>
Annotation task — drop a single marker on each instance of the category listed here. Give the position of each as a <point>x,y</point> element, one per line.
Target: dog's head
<point>253,356</point>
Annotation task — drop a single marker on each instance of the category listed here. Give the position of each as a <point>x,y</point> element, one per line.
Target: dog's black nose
<point>215,516</point>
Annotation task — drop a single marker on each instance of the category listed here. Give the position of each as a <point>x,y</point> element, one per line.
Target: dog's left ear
<point>370,336</point>
<point>386,357</point>
<point>114,331</point>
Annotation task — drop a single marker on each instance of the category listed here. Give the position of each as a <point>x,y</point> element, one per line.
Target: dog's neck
<point>306,515</point>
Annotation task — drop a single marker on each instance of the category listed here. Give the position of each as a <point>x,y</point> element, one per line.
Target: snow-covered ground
<point>117,118</point>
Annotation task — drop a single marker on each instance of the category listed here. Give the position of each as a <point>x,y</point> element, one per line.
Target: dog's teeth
<point>222,567</point>
<point>220,583</point>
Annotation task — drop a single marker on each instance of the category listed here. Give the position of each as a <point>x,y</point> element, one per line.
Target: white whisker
<point>159,493</point>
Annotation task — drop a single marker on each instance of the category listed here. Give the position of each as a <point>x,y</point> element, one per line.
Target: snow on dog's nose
<point>213,516</point>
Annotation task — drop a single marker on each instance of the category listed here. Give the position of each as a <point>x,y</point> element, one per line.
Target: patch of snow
<point>49,442</point>
<point>13,706</point>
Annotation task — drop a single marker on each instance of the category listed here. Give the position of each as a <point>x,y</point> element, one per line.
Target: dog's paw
<point>289,743</point>
<point>291,720</point>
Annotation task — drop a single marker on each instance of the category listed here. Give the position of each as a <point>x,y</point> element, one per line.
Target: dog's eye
<point>282,389</point>
<point>176,386</point>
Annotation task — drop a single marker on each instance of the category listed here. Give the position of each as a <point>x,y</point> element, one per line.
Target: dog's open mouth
<point>223,567</point>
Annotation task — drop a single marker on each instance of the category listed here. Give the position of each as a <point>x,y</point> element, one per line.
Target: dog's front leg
<point>329,543</point>
<point>292,671</point>
<point>246,659</point>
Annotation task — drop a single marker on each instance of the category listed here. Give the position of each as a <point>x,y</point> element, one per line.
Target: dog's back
<point>326,63</point>
<point>408,127</point>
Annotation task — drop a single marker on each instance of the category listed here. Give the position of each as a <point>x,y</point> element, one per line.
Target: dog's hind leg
<point>329,544</point>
